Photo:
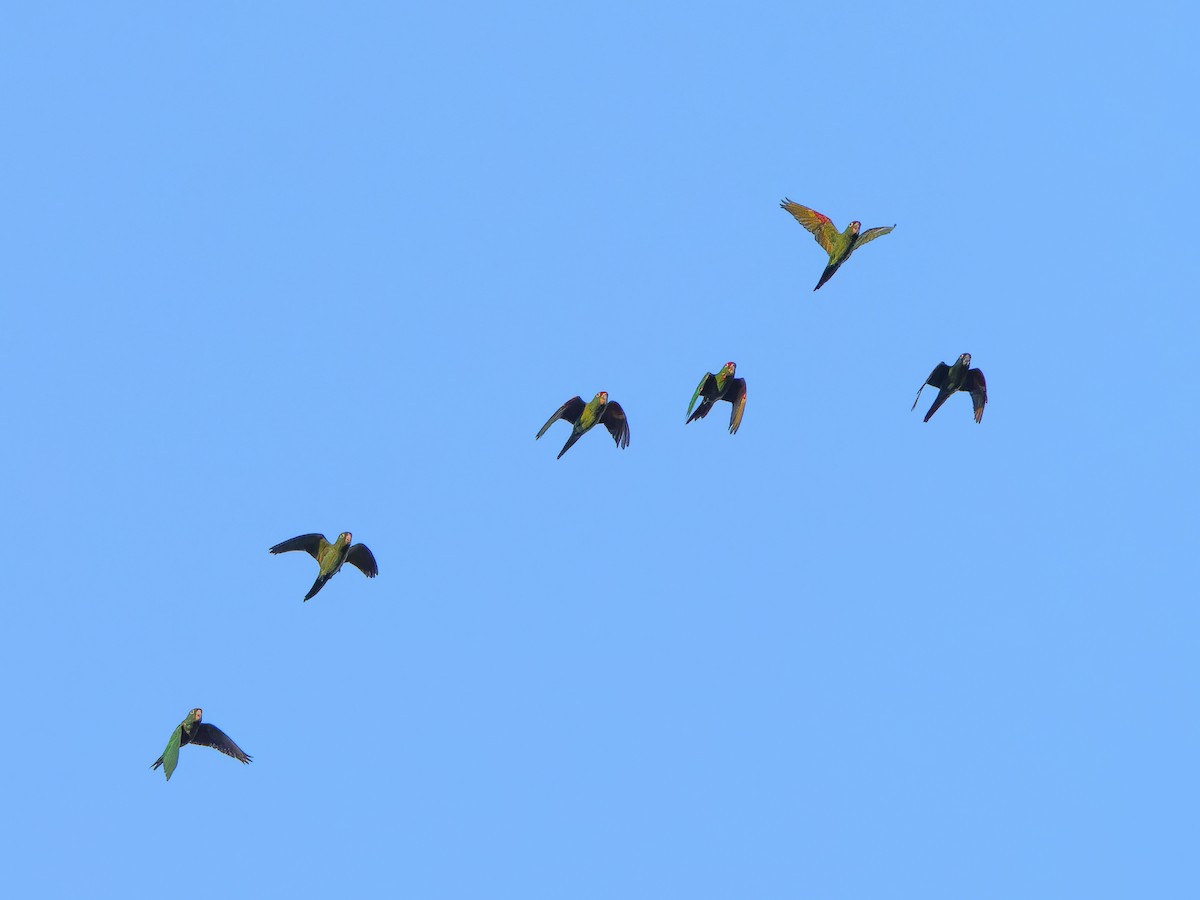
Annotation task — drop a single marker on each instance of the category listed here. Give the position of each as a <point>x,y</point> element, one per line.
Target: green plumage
<point>170,756</point>
<point>193,731</point>
<point>838,244</point>
<point>721,386</point>
<point>330,557</point>
<point>584,416</point>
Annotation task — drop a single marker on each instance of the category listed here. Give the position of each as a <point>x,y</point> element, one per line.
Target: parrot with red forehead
<point>839,245</point>
<point>583,417</point>
<point>958,377</point>
<point>192,731</point>
<point>722,386</point>
<point>330,557</point>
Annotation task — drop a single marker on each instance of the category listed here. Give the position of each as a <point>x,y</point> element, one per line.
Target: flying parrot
<point>583,417</point>
<point>722,386</point>
<point>839,245</point>
<point>192,731</point>
<point>958,377</point>
<point>330,557</point>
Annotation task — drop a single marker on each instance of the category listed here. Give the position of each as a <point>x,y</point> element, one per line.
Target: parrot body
<point>721,386</point>
<point>192,731</point>
<point>585,416</point>
<point>838,244</point>
<point>331,557</point>
<point>958,377</point>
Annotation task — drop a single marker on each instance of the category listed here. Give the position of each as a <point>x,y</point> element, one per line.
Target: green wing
<point>704,388</point>
<point>871,233</point>
<point>819,224</point>
<point>170,757</point>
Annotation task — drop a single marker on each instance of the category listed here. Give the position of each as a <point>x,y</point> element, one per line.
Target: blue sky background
<point>280,268</point>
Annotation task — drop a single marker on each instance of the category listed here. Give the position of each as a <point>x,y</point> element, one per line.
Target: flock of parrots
<point>583,417</point>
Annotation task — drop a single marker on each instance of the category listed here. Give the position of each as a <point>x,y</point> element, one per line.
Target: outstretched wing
<point>614,420</point>
<point>170,756</point>
<point>736,394</point>
<point>937,379</point>
<point>819,224</point>
<point>571,411</point>
<point>707,387</point>
<point>975,383</point>
<point>312,544</point>
<point>363,560</point>
<point>211,736</point>
<point>870,234</point>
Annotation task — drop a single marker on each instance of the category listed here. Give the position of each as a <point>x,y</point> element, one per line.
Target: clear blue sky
<point>280,268</point>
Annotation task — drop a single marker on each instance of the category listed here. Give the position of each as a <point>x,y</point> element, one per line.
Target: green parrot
<point>722,386</point>
<point>583,417</point>
<point>958,377</point>
<point>330,557</point>
<point>839,246</point>
<point>192,731</point>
